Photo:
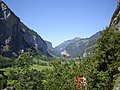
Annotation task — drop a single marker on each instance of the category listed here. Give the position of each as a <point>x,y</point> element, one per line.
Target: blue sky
<point>60,20</point>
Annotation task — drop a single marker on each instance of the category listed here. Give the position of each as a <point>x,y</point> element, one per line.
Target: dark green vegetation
<point>101,69</point>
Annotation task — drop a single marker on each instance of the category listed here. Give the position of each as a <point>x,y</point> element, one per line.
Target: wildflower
<point>81,82</point>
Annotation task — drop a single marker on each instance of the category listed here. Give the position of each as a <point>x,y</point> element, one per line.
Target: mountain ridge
<point>77,46</point>
<point>15,36</point>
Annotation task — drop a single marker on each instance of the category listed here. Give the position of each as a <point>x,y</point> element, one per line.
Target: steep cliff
<point>51,50</point>
<point>15,36</point>
<point>115,21</point>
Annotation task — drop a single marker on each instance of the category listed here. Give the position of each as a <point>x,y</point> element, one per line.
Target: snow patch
<point>64,53</point>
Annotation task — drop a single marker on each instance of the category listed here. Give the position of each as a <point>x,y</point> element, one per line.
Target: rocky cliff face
<point>63,45</point>
<point>51,50</point>
<point>115,21</point>
<point>15,36</point>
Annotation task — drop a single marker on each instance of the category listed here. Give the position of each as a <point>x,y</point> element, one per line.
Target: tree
<point>24,77</point>
<point>107,55</point>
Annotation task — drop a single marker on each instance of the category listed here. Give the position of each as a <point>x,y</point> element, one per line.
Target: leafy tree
<point>24,77</point>
<point>6,62</point>
<point>107,56</point>
<point>63,75</point>
<point>3,81</point>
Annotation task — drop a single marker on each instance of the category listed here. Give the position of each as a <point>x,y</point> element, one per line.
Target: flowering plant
<point>81,82</point>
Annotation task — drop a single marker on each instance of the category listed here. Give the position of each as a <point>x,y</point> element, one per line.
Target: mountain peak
<point>5,12</point>
<point>77,38</point>
<point>77,46</point>
<point>118,4</point>
<point>13,30</point>
<point>115,20</point>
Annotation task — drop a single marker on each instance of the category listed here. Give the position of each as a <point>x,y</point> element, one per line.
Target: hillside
<point>78,46</point>
<point>115,20</point>
<point>51,50</point>
<point>15,36</point>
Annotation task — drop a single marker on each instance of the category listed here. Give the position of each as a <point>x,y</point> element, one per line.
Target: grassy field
<point>37,67</point>
<point>40,68</point>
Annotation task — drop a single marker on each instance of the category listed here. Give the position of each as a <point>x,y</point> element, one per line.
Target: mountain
<point>78,46</point>
<point>63,45</point>
<point>84,46</point>
<point>15,36</point>
<point>115,21</point>
<point>51,50</point>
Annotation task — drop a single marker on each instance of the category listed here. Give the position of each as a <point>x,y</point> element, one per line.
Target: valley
<point>28,62</point>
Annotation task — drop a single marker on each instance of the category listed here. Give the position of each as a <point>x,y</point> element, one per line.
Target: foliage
<point>6,62</point>
<point>117,82</point>
<point>108,56</point>
<point>24,77</point>
<point>3,81</point>
<point>63,74</point>
<point>100,69</point>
